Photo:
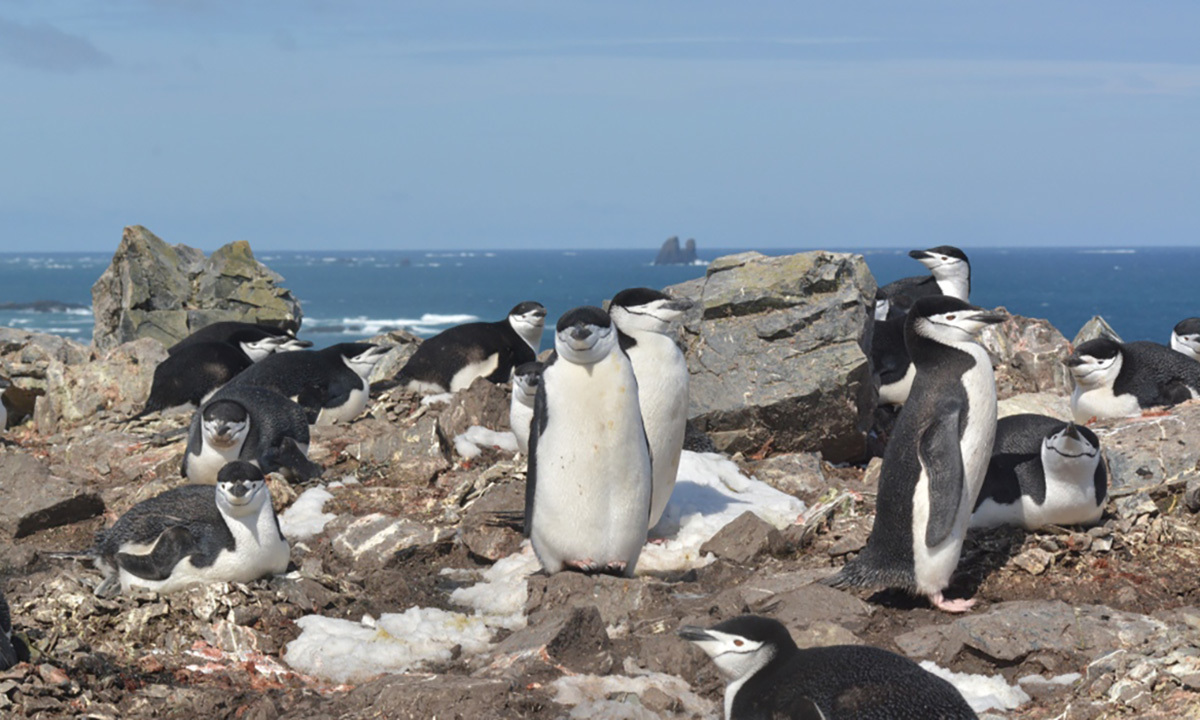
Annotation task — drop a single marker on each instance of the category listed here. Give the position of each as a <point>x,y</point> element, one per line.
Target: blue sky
<point>340,124</point>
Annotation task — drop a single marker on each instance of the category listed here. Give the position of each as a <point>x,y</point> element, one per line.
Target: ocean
<point>348,295</point>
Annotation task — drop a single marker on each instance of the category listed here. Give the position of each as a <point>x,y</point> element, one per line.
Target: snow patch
<point>588,694</point>
<point>710,492</point>
<point>470,444</point>
<point>306,517</point>
<point>982,692</point>
<point>439,399</point>
<point>500,598</point>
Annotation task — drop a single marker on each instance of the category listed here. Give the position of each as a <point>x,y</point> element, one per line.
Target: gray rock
<point>743,539</point>
<point>778,351</point>
<point>671,254</point>
<point>1094,328</point>
<point>485,531</point>
<point>1055,405</point>
<point>412,696</point>
<point>484,403</point>
<point>371,541</point>
<point>618,599</point>
<point>574,638</point>
<point>1027,354</point>
<point>35,500</point>
<point>115,382</point>
<point>796,474</point>
<point>403,344</point>
<point>1146,451</point>
<point>154,290</point>
<point>410,455</point>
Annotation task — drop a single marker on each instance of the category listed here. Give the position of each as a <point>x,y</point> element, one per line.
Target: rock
<point>413,696</point>
<point>403,344</point>
<point>371,541</point>
<point>1040,403</point>
<point>116,382</point>
<point>410,455</point>
<point>1146,451</point>
<point>1034,561</point>
<point>484,403</point>
<point>574,638</point>
<point>796,474</point>
<point>154,290</point>
<point>485,531</point>
<point>35,500</point>
<point>743,539</point>
<point>670,254</point>
<point>1094,328</point>
<point>778,353</point>
<point>1027,354</point>
<point>618,599</point>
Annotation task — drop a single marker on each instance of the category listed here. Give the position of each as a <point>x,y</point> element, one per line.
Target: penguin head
<point>949,320</point>
<point>526,378</point>
<point>241,489</point>
<point>359,357</point>
<point>645,309</point>
<point>1071,450</point>
<point>1186,337</point>
<point>585,336</point>
<point>225,423</point>
<point>882,305</point>
<point>256,342</point>
<point>944,261</point>
<point>291,343</point>
<point>1095,363</point>
<point>742,646</point>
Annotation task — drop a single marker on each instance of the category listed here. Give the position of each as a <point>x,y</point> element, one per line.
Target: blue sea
<point>347,295</point>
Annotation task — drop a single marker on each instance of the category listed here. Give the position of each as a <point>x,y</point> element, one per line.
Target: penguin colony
<point>602,423</point>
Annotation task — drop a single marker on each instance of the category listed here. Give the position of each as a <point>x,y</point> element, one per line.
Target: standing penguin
<point>452,359</point>
<point>950,274</point>
<point>1043,471</point>
<point>1115,379</point>
<point>253,424</point>
<point>1185,338</point>
<point>769,677</point>
<point>644,319</point>
<point>195,534</point>
<point>526,377</point>
<point>936,458</point>
<point>330,384</point>
<point>587,496</point>
<point>5,384</point>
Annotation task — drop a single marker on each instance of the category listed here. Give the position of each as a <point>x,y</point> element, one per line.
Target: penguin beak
<point>1073,361</point>
<point>991,318</point>
<point>694,633</point>
<point>918,255</point>
<point>239,490</point>
<point>680,304</point>
<point>1073,432</point>
<point>291,344</point>
<point>580,332</point>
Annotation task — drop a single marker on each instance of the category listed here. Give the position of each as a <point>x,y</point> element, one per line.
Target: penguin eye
<point>950,317</point>
<point>738,643</point>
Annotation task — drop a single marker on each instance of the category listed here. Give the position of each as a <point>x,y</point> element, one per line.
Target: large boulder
<point>778,349</point>
<point>115,382</point>
<point>166,292</point>
<point>1028,355</point>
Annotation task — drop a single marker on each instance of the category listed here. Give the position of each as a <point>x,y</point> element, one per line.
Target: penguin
<point>330,384</point>
<point>526,377</point>
<point>253,424</point>
<point>1114,379</point>
<point>644,320</point>
<point>5,384</point>
<point>451,360</point>
<point>936,458</point>
<point>1185,338</point>
<point>1043,471</point>
<point>8,652</point>
<point>769,677</point>
<point>950,275</point>
<point>195,534</point>
<point>890,364</point>
<point>261,339</point>
<point>587,493</point>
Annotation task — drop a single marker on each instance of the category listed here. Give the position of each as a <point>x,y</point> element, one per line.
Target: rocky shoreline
<point>405,535</point>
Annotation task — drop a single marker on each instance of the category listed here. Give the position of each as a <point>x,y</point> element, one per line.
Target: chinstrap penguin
<point>526,377</point>
<point>890,364</point>
<point>645,320</point>
<point>950,274</point>
<point>1115,379</point>
<point>5,384</point>
<point>253,424</point>
<point>8,652</point>
<point>936,458</point>
<point>258,341</point>
<point>195,534</point>
<point>769,677</point>
<point>451,360</point>
<point>587,496</point>
<point>1185,338</point>
<point>1043,471</point>
<point>330,384</point>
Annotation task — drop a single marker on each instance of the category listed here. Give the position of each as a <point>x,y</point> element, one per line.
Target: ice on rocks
<point>588,695</point>
<point>470,444</point>
<point>500,598</point>
<point>306,517</point>
<point>710,492</point>
<point>982,692</point>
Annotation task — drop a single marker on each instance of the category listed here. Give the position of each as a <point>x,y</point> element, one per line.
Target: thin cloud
<point>41,46</point>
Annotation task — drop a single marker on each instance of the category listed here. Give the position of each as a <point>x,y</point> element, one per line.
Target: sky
<point>346,124</point>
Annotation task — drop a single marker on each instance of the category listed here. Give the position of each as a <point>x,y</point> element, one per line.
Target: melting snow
<point>470,444</point>
<point>982,692</point>
<point>306,517</point>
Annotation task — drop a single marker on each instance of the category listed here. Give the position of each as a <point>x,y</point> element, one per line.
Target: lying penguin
<point>330,384</point>
<point>1114,379</point>
<point>451,360</point>
<point>195,534</point>
<point>1043,471</point>
<point>252,424</point>
<point>769,677</point>
<point>267,337</point>
<point>8,652</point>
<point>1185,338</point>
<point>526,377</point>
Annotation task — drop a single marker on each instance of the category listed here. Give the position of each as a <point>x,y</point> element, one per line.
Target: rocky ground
<point>1116,608</point>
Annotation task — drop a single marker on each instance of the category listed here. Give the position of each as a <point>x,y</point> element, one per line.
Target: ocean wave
<point>427,324</point>
<point>1111,251</point>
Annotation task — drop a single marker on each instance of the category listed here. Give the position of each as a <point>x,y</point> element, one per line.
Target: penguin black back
<point>235,333</point>
<point>8,653</point>
<point>1153,373</point>
<point>316,379</point>
<point>193,372</point>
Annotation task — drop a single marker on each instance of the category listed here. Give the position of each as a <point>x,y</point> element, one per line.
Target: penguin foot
<point>951,606</point>
<point>584,566</point>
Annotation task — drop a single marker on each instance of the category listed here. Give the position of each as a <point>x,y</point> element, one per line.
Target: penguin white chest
<point>662,376</point>
<point>592,497</point>
<point>203,467</point>
<point>467,373</point>
<point>347,411</point>
<point>1100,402</point>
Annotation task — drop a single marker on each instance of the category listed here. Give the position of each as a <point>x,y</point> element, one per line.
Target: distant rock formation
<point>670,254</point>
<point>166,292</point>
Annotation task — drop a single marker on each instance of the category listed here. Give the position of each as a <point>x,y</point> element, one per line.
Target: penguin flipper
<point>8,654</point>
<point>173,545</point>
<point>941,458</point>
